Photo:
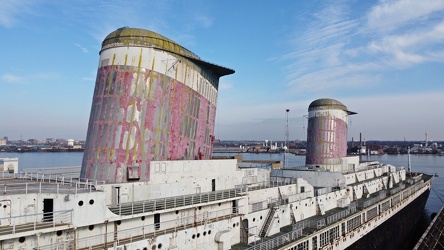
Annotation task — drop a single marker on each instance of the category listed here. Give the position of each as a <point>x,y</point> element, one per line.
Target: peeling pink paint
<point>326,140</point>
<point>180,123</point>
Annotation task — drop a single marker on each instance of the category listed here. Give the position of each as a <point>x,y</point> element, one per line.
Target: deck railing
<point>50,180</point>
<point>146,206</point>
<point>322,223</point>
<point>46,187</point>
<point>33,222</point>
<point>150,231</point>
<point>264,204</point>
<point>278,241</point>
<point>275,181</point>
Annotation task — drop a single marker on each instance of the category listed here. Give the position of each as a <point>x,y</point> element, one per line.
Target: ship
<point>148,178</point>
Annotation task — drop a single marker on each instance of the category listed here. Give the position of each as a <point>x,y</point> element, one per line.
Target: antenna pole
<point>287,137</point>
<point>409,163</point>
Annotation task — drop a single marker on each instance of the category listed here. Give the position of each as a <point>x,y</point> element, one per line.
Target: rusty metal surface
<point>326,140</point>
<point>135,37</point>
<point>146,38</point>
<point>148,104</point>
<point>327,103</point>
<point>327,132</point>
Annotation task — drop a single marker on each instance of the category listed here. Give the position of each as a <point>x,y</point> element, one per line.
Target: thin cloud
<point>115,14</point>
<point>335,78</point>
<point>389,15</point>
<point>335,53</point>
<point>89,79</point>
<point>225,86</point>
<point>12,10</point>
<point>83,49</point>
<point>8,78</point>
<point>411,48</point>
<point>319,53</point>
<point>204,20</point>
<point>46,76</point>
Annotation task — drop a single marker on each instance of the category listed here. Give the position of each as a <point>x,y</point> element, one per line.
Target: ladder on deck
<point>268,221</point>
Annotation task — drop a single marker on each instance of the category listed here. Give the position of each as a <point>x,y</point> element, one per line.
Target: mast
<point>409,163</point>
<point>287,136</point>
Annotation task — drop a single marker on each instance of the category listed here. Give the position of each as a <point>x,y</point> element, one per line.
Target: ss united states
<point>148,179</point>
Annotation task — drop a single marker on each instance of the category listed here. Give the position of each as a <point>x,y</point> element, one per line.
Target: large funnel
<point>153,100</point>
<point>326,133</point>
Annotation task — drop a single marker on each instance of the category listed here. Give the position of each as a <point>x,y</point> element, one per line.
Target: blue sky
<point>382,59</point>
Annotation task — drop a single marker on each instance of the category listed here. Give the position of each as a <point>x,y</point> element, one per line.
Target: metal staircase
<point>268,221</point>
<point>292,217</point>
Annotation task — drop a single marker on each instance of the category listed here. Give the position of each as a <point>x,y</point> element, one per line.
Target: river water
<point>430,164</point>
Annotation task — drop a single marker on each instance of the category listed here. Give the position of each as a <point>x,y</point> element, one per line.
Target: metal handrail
<point>41,187</point>
<point>32,222</point>
<point>145,206</point>
<point>151,230</point>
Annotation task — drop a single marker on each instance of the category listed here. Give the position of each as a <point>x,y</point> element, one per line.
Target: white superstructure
<point>9,165</point>
<point>207,204</point>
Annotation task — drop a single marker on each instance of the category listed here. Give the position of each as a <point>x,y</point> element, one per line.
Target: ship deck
<point>310,225</point>
<point>14,186</point>
<point>62,180</point>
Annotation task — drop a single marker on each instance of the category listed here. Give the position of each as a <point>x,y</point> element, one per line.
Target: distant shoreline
<point>68,150</point>
<point>43,150</point>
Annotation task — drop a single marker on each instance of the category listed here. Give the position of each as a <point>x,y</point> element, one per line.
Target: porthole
<point>194,236</point>
<point>219,204</point>
<point>254,219</point>
<point>237,224</point>
<point>209,231</point>
<point>145,248</point>
<point>91,202</point>
<point>261,217</point>
<point>283,211</point>
<point>159,246</point>
<point>177,211</point>
<point>204,233</point>
<point>59,233</point>
<point>118,222</point>
<point>142,218</point>
<point>22,239</point>
<point>234,224</point>
<point>80,203</point>
<point>91,227</point>
<point>200,207</point>
<point>198,235</point>
<point>5,206</point>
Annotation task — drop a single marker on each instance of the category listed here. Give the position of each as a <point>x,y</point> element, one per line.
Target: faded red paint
<point>150,116</point>
<point>326,140</point>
